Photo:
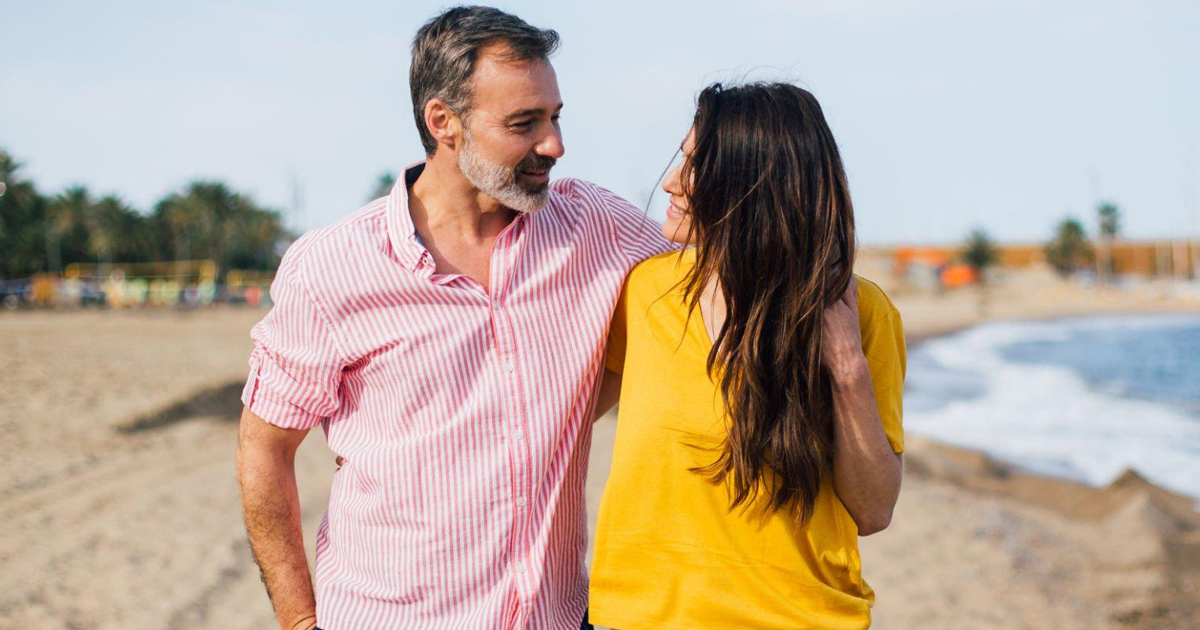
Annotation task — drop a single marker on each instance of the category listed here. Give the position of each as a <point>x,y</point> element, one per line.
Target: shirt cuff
<point>274,409</point>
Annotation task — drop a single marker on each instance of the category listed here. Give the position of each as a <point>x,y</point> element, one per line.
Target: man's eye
<point>523,124</point>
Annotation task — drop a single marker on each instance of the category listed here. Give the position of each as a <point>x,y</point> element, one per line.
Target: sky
<point>1001,115</point>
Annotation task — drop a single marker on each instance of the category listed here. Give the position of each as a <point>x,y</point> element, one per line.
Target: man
<point>448,338</point>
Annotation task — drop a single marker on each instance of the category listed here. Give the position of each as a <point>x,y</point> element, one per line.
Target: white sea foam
<point>1046,417</point>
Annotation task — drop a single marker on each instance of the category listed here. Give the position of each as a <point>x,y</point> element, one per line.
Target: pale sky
<point>1006,115</point>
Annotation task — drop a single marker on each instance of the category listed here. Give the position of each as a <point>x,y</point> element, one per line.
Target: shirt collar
<point>401,231</point>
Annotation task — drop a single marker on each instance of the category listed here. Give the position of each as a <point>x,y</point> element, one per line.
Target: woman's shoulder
<point>659,272</point>
<point>873,302</point>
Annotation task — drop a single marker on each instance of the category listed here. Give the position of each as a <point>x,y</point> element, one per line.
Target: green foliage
<point>67,227</point>
<point>117,233</point>
<point>1110,220</point>
<point>1070,249</point>
<point>980,252</point>
<point>22,223</point>
<point>205,220</point>
<point>383,186</point>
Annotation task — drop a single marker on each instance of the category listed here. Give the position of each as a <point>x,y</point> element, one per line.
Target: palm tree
<point>115,232</point>
<point>219,208</point>
<point>1110,224</point>
<point>980,252</point>
<point>22,222</point>
<point>210,220</point>
<point>67,227</point>
<point>1070,249</point>
<point>206,219</point>
<point>175,218</point>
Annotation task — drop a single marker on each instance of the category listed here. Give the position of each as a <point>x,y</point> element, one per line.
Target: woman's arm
<point>866,472</point>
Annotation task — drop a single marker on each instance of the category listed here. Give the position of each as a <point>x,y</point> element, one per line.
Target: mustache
<point>537,163</point>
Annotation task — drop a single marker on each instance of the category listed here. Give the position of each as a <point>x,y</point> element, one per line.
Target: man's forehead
<point>508,86</point>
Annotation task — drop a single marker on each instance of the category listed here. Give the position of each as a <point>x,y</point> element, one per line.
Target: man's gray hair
<point>446,48</point>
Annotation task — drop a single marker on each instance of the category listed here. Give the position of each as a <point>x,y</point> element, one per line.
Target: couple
<point>456,338</point>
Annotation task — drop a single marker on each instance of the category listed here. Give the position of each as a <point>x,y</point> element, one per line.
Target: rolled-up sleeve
<point>296,366</point>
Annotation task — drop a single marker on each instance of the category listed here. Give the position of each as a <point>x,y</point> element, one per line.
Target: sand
<point>108,526</point>
<point>120,504</point>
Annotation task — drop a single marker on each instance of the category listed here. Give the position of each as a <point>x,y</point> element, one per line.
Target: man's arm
<point>610,393</point>
<point>266,457</point>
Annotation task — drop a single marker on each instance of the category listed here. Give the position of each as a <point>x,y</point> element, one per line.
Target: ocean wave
<point>1049,418</point>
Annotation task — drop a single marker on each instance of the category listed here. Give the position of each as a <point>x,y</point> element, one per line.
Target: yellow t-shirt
<point>669,552</point>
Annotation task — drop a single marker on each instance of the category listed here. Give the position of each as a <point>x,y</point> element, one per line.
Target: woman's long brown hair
<point>773,224</point>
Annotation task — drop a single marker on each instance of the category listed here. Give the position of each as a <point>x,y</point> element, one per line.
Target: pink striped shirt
<point>464,415</point>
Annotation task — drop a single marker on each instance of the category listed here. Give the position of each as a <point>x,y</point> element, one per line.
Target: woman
<point>760,388</point>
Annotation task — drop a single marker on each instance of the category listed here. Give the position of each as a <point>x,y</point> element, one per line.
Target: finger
<point>340,460</point>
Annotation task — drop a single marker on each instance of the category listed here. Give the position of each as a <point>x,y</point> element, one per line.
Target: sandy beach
<point>121,507</point>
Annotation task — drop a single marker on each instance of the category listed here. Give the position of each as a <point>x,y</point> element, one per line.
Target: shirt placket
<point>515,426</point>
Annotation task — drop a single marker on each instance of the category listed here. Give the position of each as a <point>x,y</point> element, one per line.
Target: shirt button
<point>520,567</point>
<point>521,501</point>
<point>508,367</point>
<point>517,436</point>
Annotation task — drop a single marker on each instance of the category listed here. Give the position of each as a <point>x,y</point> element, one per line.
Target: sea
<point>1079,398</point>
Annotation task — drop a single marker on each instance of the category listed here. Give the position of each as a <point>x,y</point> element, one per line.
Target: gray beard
<point>498,182</point>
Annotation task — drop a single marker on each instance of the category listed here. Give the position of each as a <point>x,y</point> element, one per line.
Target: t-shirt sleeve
<point>637,236</point>
<point>296,368</point>
<point>614,359</point>
<point>883,346</point>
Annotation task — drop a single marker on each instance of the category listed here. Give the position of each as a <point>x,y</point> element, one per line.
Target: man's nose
<point>551,145</point>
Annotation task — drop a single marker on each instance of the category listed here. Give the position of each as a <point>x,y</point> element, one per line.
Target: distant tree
<point>210,220</point>
<point>383,186</point>
<point>1070,249</point>
<point>206,219</point>
<point>22,222</point>
<point>1110,225</point>
<point>1110,220</point>
<point>67,238</point>
<point>117,233</point>
<point>177,222</point>
<point>980,252</point>
<point>258,232</point>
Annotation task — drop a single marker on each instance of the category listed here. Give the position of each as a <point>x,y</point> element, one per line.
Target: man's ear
<point>443,124</point>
